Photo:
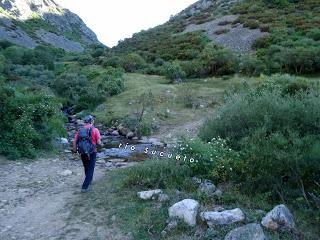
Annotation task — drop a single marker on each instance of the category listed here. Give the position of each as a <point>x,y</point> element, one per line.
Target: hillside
<point>215,37</point>
<point>34,22</point>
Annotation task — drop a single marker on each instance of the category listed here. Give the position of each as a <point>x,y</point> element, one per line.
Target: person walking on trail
<point>85,143</point>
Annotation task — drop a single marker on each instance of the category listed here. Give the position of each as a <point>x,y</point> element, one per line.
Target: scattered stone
<point>67,151</point>
<point>101,161</point>
<point>64,141</point>
<point>109,164</point>
<point>217,193</point>
<point>251,231</point>
<point>163,197</point>
<point>207,187</point>
<point>113,218</point>
<point>115,160</point>
<point>218,208</point>
<point>186,210</point>
<point>196,180</point>
<point>151,194</point>
<point>135,138</point>
<point>279,218</point>
<point>115,133</point>
<point>66,173</point>
<point>123,131</point>
<point>222,218</point>
<point>170,226</point>
<point>130,135</point>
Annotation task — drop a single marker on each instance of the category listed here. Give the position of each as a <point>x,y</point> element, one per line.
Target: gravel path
<point>36,200</point>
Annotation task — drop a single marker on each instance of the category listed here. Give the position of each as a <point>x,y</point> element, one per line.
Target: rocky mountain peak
<point>31,22</point>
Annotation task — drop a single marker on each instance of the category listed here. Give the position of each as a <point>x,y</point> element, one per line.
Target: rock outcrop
<point>32,22</point>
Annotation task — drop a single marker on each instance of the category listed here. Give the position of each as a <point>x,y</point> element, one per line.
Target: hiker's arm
<point>99,143</point>
<point>74,146</point>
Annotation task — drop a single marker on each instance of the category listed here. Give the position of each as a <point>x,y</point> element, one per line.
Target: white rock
<point>64,141</point>
<point>279,217</point>
<point>251,231</point>
<point>186,210</point>
<point>66,173</point>
<point>222,218</point>
<point>150,194</point>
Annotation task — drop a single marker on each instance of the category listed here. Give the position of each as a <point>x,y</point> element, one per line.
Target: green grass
<point>207,91</point>
<point>146,219</point>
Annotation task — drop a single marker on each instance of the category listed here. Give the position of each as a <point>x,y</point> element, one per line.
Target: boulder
<point>207,187</point>
<point>151,194</point>
<point>279,218</point>
<point>251,231</point>
<point>222,218</point>
<point>186,210</point>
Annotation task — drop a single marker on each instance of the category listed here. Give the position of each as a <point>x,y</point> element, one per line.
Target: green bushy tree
<point>30,121</point>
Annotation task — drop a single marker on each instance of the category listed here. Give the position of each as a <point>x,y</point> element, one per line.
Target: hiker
<point>85,143</point>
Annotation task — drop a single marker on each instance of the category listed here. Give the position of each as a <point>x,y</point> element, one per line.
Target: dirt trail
<point>36,201</point>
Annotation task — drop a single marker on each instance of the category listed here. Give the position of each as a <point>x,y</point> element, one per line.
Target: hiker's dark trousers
<point>89,163</point>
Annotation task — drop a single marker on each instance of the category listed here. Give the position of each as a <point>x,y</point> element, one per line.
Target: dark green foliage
<point>275,126</point>
<point>132,62</point>
<point>250,65</point>
<point>173,71</point>
<point>29,122</point>
<point>87,91</point>
<point>218,61</point>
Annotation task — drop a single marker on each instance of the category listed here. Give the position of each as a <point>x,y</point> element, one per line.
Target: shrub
<point>113,61</point>
<point>173,71</point>
<point>132,62</point>
<point>218,61</point>
<point>250,65</point>
<point>275,126</point>
<point>30,121</point>
<point>205,158</point>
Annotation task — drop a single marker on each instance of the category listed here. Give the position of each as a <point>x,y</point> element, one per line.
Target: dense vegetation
<point>36,83</point>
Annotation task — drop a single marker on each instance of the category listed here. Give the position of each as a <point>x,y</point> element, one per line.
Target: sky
<point>114,20</point>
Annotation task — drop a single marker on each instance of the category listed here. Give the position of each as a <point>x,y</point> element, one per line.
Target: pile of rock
<point>188,210</point>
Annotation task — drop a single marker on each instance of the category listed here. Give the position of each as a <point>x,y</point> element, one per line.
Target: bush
<point>113,61</point>
<point>275,126</point>
<point>132,62</point>
<point>206,158</point>
<point>173,71</point>
<point>30,121</point>
<point>250,65</point>
<point>218,61</point>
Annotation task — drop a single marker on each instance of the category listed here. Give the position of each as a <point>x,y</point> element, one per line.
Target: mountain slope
<point>33,22</point>
<point>228,36</point>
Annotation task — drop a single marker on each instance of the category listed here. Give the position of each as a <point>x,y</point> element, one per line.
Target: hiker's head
<point>89,119</point>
